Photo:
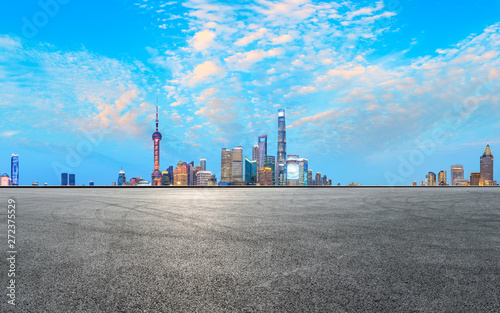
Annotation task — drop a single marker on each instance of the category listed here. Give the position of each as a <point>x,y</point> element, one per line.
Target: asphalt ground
<point>254,250</point>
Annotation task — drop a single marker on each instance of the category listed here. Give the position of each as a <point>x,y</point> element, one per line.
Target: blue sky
<point>377,92</point>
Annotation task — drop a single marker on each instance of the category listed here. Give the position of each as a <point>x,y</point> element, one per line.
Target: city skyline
<point>366,86</point>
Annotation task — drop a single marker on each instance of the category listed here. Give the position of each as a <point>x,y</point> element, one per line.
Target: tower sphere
<point>156,135</point>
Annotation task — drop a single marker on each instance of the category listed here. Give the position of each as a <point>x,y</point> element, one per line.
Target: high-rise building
<point>475,178</point>
<point>225,166</point>
<point>281,174</point>
<point>14,170</point>
<point>442,178</point>
<point>271,163</point>
<point>181,174</point>
<point>155,174</point>
<point>309,177</point>
<point>265,176</point>
<point>190,174</point>
<point>281,156</point>
<point>170,171</point>
<point>203,164</point>
<point>237,165</point>
<point>292,170</point>
<point>317,180</point>
<point>255,152</point>
<point>486,167</point>
<point>457,172</point>
<point>5,180</point>
<point>324,180</point>
<point>165,178</point>
<point>64,179</point>
<point>250,171</point>
<point>303,167</point>
<point>431,179</point>
<point>196,171</point>
<point>203,178</point>
<point>72,179</point>
<point>262,151</point>
<point>121,177</point>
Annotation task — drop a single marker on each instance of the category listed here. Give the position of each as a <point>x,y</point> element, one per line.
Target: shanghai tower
<point>281,159</point>
<point>156,174</point>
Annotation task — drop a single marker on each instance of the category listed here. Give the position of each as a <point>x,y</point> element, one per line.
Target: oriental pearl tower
<point>155,174</point>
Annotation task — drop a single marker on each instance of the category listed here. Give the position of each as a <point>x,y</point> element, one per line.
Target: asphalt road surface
<point>254,250</point>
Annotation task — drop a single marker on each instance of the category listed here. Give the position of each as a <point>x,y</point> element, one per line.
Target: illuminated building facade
<point>292,170</point>
<point>71,178</point>
<point>156,175</point>
<point>5,180</point>
<point>121,178</point>
<point>250,171</point>
<point>281,156</point>
<point>309,177</point>
<point>475,178</point>
<point>457,172</point>
<point>165,179</point>
<point>237,165</point>
<point>181,174</point>
<point>442,178</point>
<point>14,170</point>
<point>317,180</point>
<point>271,163</point>
<point>64,179</point>
<point>486,167</point>
<point>225,166</point>
<point>265,176</point>
<point>431,179</point>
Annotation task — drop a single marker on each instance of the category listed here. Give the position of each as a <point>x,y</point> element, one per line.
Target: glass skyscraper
<point>72,180</point>
<point>281,156</point>
<point>203,164</point>
<point>64,179</point>
<point>303,167</point>
<point>225,165</point>
<point>262,151</point>
<point>14,170</point>
<point>317,180</point>
<point>255,152</point>
<point>237,165</point>
<point>250,171</point>
<point>271,163</point>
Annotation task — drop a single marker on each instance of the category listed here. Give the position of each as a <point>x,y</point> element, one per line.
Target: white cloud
<point>249,38</point>
<point>282,39</point>
<point>204,72</point>
<point>203,40</point>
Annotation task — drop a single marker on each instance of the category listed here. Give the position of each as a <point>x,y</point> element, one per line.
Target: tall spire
<point>487,151</point>
<point>156,113</point>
